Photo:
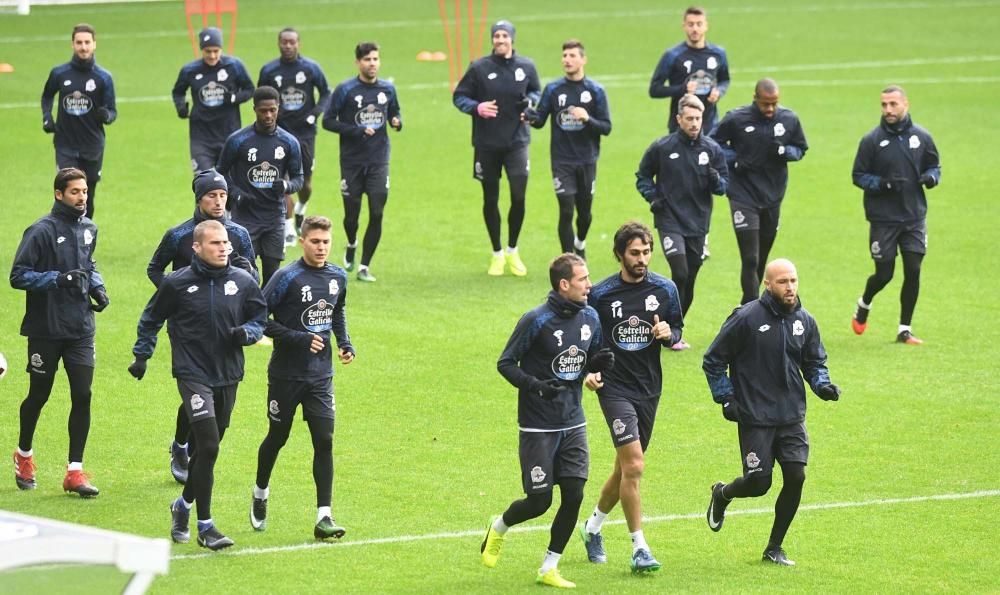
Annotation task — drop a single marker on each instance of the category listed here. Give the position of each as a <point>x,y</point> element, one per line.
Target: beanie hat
<point>210,37</point>
<point>505,26</point>
<point>207,181</point>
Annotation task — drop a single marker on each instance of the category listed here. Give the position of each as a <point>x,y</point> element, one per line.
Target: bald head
<point>782,282</point>
<point>765,97</point>
<point>766,85</point>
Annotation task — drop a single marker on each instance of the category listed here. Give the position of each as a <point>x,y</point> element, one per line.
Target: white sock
<point>75,467</point>
<point>300,208</point>
<point>354,245</point>
<point>905,327</point>
<point>862,304</point>
<point>511,249</point>
<point>579,244</point>
<point>261,494</point>
<point>289,226</point>
<point>496,254</point>
<point>638,541</point>
<point>550,561</point>
<point>30,452</point>
<point>323,511</point>
<point>499,526</point>
<point>184,446</point>
<point>185,503</point>
<point>596,520</point>
<point>362,267</point>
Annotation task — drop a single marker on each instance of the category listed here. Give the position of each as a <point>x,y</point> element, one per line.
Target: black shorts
<point>885,239</point>
<point>44,354</point>
<point>284,397</point>
<point>204,154</point>
<point>358,178</point>
<point>760,446</point>
<point>308,148</point>
<point>90,162</point>
<point>754,218</point>
<point>675,244</point>
<point>547,457</point>
<point>207,402</point>
<point>570,179</point>
<point>629,419</point>
<point>268,241</point>
<point>488,163</point>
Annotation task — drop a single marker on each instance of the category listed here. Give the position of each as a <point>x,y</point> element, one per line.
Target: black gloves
<point>658,205</point>
<point>828,392</point>
<point>547,389</point>
<point>185,111</point>
<point>279,187</point>
<point>241,262</point>
<point>70,279</point>
<point>530,115</point>
<point>137,368</point>
<point>892,184</point>
<point>778,147</point>
<point>729,411</point>
<point>48,126</point>
<point>928,181</point>
<point>104,114</point>
<point>239,335</point>
<point>603,361</point>
<point>100,297</point>
<point>523,103</point>
<point>713,176</point>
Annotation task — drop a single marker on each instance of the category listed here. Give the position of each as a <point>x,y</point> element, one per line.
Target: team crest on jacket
<point>797,328</point>
<point>632,334</point>
<point>90,85</point>
<point>381,98</point>
<point>712,63</point>
<point>334,288</point>
<point>88,237</point>
<point>223,75</point>
<point>585,97</point>
<point>585,332</point>
<point>300,77</point>
<point>752,460</point>
<point>779,129</point>
<point>570,363</point>
<point>230,288</point>
<point>914,142</point>
<point>703,158</point>
<point>652,303</point>
<point>279,152</point>
<point>519,75</point>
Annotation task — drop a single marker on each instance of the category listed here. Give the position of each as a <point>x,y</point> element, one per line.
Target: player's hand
<point>714,176</point>
<point>345,356</point>
<point>369,132</point>
<point>593,381</point>
<point>691,86</point>
<point>317,343</point>
<point>828,392</point>
<point>547,389</point>
<point>928,180</point>
<point>729,411</point>
<point>579,113</point>
<point>104,114</point>
<point>603,361</point>
<point>661,330</point>
<point>185,111</point>
<point>239,335</point>
<point>892,183</point>
<point>70,279</point>
<point>241,262</point>
<point>779,147</point>
<point>48,126</point>
<point>658,205</point>
<point>137,368</point>
<point>396,124</point>
<point>279,187</point>
<point>100,297</point>
<point>713,96</point>
<point>487,110</point>
<point>530,115</point>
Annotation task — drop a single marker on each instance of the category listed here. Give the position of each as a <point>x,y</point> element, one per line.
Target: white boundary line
<point>534,528</point>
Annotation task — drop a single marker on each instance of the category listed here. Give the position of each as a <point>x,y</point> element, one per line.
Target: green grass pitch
<point>426,438</point>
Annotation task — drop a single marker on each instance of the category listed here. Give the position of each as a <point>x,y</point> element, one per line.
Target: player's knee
<point>322,440</point>
<point>538,504</point>
<point>571,491</point>
<point>793,474</point>
<point>758,484</point>
<point>632,469</point>
<point>208,450</point>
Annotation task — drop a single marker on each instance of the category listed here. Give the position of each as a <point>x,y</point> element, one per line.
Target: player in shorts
<point>640,314</point>
<point>306,301</point>
<point>551,349</point>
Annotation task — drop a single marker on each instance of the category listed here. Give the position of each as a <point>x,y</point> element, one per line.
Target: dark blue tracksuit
<point>574,141</point>
<point>299,81</point>
<point>304,301</point>
<point>767,351</point>
<point>508,81</point>
<point>707,66</point>
<point>759,170</point>
<point>216,94</point>
<point>356,105</point>
<point>86,104</point>
<point>176,249</point>
<point>59,242</point>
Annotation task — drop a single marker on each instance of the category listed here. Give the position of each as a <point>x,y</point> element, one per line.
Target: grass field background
<point>426,438</point>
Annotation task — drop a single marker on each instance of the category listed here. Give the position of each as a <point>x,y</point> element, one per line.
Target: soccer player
<point>262,163</point>
<point>758,140</point>
<point>219,84</point>
<point>640,312</point>
<point>176,249</point>
<point>54,265</point>
<point>693,66</point>
<point>359,110</point>
<point>86,104</point>
<point>495,91</point>
<point>551,349</point>
<point>306,300</point>
<point>299,80</point>
<point>214,310</point>
<point>580,116</point>
<point>895,162</point>
<point>678,175</point>
<point>768,346</point>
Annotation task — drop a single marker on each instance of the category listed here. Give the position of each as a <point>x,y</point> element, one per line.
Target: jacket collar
<point>66,212</point>
<point>563,307</point>
<point>772,304</point>
<point>201,268</point>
